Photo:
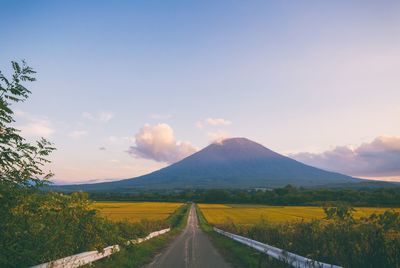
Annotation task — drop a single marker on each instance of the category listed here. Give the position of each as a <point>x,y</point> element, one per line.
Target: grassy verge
<point>140,254</point>
<point>237,254</point>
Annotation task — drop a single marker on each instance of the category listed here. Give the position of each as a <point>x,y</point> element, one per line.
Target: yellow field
<point>250,214</point>
<point>136,211</point>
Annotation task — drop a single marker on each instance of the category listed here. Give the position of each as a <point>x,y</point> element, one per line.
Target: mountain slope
<point>232,163</point>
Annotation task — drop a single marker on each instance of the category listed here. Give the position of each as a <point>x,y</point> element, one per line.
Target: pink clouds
<point>379,158</point>
<point>157,142</point>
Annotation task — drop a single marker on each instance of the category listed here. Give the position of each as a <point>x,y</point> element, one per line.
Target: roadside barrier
<point>150,236</point>
<point>84,258</point>
<point>279,254</point>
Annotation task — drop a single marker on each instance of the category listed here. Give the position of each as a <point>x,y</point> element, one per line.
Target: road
<point>192,248</point>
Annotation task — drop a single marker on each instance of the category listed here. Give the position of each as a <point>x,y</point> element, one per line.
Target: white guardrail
<point>91,256</point>
<point>279,254</point>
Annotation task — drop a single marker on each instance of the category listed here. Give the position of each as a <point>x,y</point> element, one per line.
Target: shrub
<point>373,241</point>
<point>42,227</point>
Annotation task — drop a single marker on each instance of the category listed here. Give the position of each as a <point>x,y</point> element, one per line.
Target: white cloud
<point>218,122</point>
<point>217,136</point>
<point>157,142</point>
<point>76,134</point>
<point>37,128</point>
<point>381,157</point>
<point>34,126</point>
<point>102,117</point>
<point>213,122</point>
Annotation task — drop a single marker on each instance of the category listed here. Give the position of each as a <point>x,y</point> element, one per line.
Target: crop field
<point>251,214</point>
<point>136,211</point>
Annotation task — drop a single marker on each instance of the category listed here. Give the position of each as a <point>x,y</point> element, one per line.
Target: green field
<point>251,214</point>
<point>136,211</point>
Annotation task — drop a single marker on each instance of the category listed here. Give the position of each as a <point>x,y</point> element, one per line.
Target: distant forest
<point>288,195</point>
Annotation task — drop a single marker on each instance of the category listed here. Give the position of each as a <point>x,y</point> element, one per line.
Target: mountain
<point>231,163</point>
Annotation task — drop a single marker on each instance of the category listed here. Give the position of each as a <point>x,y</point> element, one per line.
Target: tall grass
<point>372,241</point>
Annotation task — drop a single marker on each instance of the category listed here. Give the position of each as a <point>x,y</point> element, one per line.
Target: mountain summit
<point>230,163</point>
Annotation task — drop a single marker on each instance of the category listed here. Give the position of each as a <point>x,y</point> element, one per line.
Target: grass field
<point>136,211</point>
<point>251,214</point>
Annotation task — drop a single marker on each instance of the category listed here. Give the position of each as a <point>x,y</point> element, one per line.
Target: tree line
<point>288,195</point>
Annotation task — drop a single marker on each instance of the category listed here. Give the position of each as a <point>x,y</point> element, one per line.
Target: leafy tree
<point>20,162</point>
<point>38,226</point>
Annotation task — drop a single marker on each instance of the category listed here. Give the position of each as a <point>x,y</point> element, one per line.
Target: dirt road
<point>192,248</point>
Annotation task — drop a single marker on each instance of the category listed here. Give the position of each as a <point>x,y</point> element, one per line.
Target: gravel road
<point>192,248</point>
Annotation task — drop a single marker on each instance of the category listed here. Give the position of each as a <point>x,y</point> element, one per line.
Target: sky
<point>127,87</point>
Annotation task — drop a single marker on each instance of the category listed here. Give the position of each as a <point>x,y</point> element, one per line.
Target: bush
<point>131,231</point>
<point>41,227</point>
<point>373,241</point>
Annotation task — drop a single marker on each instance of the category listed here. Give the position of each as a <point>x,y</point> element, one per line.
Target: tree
<point>20,162</point>
<point>341,213</point>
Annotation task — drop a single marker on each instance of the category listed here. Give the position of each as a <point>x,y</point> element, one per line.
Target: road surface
<point>192,248</point>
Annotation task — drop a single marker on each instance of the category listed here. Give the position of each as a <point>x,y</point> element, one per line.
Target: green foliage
<point>373,241</point>
<point>341,213</point>
<point>43,227</point>
<point>20,162</point>
<point>128,230</point>
<point>289,195</point>
<point>135,255</point>
<point>39,227</point>
<point>177,218</point>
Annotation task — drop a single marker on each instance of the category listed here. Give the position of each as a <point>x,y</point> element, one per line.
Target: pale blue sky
<point>296,76</point>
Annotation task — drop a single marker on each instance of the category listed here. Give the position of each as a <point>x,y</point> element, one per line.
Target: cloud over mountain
<point>157,142</point>
<point>217,136</point>
<point>381,157</point>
